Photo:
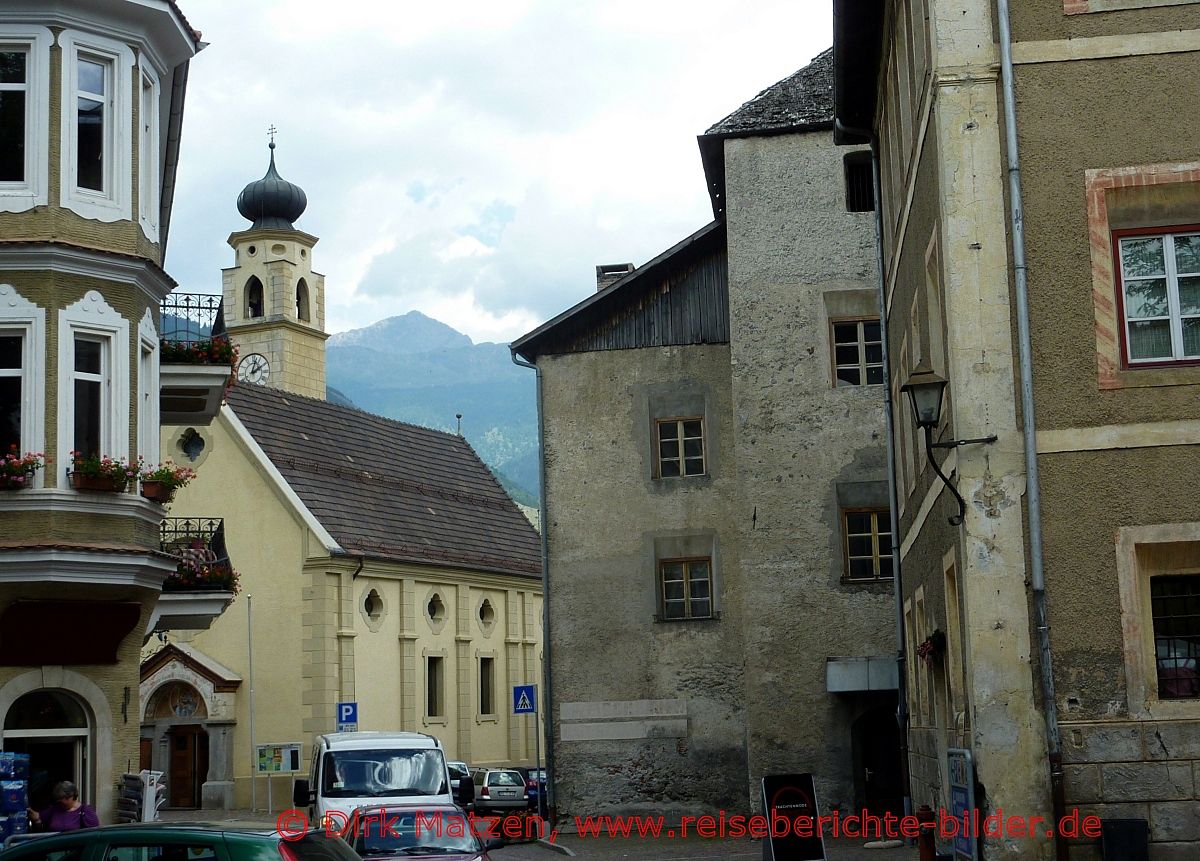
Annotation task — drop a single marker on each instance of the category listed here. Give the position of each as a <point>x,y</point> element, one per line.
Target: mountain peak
<point>408,333</point>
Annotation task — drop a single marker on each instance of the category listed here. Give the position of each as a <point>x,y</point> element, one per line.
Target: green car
<point>160,841</point>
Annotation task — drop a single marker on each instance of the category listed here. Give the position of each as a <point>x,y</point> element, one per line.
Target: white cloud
<point>472,160</point>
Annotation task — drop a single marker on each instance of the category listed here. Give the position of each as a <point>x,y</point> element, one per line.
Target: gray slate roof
<point>799,100</point>
<point>390,490</point>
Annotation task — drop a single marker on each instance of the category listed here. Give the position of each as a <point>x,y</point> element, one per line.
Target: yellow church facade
<point>380,563</point>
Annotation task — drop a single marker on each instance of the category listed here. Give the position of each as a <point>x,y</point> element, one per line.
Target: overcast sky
<point>470,159</point>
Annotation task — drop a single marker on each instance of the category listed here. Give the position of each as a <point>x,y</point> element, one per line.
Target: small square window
<point>680,447</point>
<point>857,353</point>
<point>1159,295</point>
<point>1175,608</point>
<point>686,588</point>
<point>868,545</point>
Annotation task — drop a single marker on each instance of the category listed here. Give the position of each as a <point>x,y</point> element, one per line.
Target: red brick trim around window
<point>1111,371</point>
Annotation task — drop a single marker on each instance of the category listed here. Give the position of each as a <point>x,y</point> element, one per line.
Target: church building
<point>380,563</point>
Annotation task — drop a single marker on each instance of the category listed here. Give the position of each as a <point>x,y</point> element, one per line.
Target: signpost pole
<point>537,756</point>
<point>270,801</point>
<point>253,744</point>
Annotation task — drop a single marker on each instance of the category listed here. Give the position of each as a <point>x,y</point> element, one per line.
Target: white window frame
<point>92,317</point>
<point>113,204</point>
<point>148,431</point>
<point>32,191</point>
<point>1174,315</point>
<point>148,151</point>
<point>20,317</point>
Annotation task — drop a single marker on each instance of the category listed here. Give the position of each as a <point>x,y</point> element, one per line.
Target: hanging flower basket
<point>158,491</point>
<point>933,648</point>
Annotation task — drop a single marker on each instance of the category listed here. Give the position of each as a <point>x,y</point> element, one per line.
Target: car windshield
<point>382,773</point>
<point>434,832</point>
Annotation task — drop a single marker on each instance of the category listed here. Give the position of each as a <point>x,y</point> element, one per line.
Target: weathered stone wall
<point>797,261</point>
<point>647,715</point>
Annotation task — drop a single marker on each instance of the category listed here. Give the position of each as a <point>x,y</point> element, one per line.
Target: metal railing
<point>190,318</point>
<point>197,539</point>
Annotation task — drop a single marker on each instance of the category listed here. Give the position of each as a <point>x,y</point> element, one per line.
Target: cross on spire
<point>271,131</point>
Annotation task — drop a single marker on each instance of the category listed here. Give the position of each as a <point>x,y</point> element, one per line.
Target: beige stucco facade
<point>328,627</point>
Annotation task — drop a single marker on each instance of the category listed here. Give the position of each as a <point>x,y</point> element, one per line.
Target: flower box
<point>17,471</point>
<point>158,491</point>
<point>98,483</point>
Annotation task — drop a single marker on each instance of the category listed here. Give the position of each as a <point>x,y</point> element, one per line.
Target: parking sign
<point>347,717</point>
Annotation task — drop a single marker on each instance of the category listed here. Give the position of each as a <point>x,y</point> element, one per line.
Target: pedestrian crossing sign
<point>524,699</point>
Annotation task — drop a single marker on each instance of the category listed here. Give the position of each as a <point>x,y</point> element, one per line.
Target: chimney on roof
<point>610,273</point>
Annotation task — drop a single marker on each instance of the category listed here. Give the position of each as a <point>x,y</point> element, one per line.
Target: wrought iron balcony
<point>196,358</point>
<point>204,581</point>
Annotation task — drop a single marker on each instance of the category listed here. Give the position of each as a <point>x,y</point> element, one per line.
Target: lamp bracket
<point>955,443</point>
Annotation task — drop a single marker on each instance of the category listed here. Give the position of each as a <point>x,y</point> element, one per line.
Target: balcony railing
<point>196,358</point>
<point>202,563</point>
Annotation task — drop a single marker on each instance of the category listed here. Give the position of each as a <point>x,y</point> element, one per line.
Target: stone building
<point>92,99</point>
<point>1080,509</point>
<point>720,601</point>
<point>382,563</point>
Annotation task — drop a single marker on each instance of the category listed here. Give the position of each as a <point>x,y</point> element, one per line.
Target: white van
<point>350,770</point>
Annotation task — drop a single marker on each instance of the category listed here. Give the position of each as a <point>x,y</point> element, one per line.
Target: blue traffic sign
<point>524,699</point>
<point>347,717</point>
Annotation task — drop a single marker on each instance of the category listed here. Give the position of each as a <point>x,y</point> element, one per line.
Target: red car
<point>441,831</point>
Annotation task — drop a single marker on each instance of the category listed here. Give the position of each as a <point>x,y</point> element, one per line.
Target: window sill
<point>1159,375</point>
<point>487,718</point>
<point>434,721</point>
<point>715,617</point>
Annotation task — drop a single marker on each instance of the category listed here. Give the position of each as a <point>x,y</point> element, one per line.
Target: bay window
<point>97,116</point>
<point>148,181</point>
<point>22,375</point>
<point>12,390</point>
<point>24,108</point>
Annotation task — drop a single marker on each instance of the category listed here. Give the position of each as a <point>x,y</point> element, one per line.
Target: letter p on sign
<point>347,717</point>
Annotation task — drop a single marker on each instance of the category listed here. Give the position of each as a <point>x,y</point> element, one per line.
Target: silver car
<point>500,790</point>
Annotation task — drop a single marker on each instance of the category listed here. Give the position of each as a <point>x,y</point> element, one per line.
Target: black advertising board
<point>790,802</point>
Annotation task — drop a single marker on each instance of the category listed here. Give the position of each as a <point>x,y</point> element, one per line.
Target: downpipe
<point>894,518</point>
<point>1033,488</point>
<point>546,706</point>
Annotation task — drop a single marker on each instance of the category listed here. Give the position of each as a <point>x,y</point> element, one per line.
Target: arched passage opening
<point>55,729</point>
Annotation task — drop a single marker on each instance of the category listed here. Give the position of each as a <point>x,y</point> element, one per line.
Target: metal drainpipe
<point>1033,490</point>
<point>545,707</point>
<point>897,580</point>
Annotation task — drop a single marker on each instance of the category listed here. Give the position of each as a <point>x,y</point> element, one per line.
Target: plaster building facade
<point>733,492</point>
<point>381,563</point>
<point>92,99</point>
<point>1097,708</point>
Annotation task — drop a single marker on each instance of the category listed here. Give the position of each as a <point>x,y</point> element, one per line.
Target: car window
<point>479,776</point>
<point>505,778</point>
<point>315,846</point>
<point>169,852</point>
<point>406,833</point>
<point>73,854</point>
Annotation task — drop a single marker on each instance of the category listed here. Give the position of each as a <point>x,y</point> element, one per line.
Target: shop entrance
<point>53,728</point>
<point>188,768</point>
<point>878,779</point>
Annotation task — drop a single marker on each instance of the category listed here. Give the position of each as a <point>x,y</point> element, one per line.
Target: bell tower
<point>274,302</point>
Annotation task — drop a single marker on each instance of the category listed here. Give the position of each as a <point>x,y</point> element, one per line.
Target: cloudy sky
<point>470,159</point>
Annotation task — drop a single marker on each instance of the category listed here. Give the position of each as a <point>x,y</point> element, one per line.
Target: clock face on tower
<point>254,369</point>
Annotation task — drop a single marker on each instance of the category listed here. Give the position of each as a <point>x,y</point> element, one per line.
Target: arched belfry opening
<point>254,298</point>
<point>303,311</point>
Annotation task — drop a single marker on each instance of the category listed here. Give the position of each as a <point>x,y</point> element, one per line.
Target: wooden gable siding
<point>689,305</point>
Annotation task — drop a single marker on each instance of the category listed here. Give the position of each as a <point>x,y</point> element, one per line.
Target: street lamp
<point>925,390</point>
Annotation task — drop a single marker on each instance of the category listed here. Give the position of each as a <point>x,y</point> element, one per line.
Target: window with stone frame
<point>867,545</point>
<point>435,686</point>
<point>857,352</point>
<point>679,449</point>
<point>1175,612</point>
<point>12,389</point>
<point>685,589</point>
<point>1159,276</point>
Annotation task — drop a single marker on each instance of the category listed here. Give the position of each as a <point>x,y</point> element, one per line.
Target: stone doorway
<point>878,773</point>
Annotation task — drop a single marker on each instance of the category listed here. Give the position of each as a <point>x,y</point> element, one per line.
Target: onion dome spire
<point>272,202</point>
